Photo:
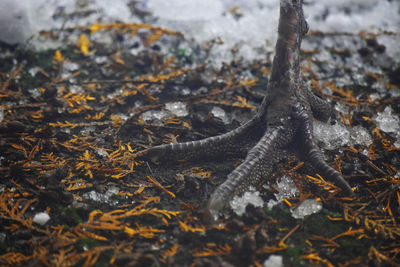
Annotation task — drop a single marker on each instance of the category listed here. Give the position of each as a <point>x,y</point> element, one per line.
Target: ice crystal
<point>387,121</point>
<point>239,204</point>
<point>286,187</point>
<point>41,218</point>
<point>273,261</point>
<point>177,108</point>
<point>221,114</point>
<point>157,115</point>
<point>307,207</point>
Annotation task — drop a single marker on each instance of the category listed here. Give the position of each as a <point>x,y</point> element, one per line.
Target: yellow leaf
<point>95,27</point>
<point>83,44</point>
<point>58,57</point>
<point>118,59</point>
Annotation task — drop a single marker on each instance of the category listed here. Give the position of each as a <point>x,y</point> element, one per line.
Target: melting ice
<point>177,108</point>
<point>158,115</point>
<point>307,207</point>
<point>338,135</point>
<point>41,218</point>
<point>388,122</point>
<point>102,197</point>
<point>239,204</point>
<point>221,114</point>
<point>287,189</point>
<point>273,261</point>
<point>203,20</point>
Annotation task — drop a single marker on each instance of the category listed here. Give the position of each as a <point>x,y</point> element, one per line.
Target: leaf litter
<point>85,126</point>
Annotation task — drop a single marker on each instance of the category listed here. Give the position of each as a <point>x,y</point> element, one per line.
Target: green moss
<point>70,216</point>
<point>183,55</point>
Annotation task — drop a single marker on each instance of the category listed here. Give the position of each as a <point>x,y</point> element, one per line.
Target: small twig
<point>294,229</point>
<point>148,166</point>
<point>31,105</point>
<point>122,81</point>
<point>189,84</point>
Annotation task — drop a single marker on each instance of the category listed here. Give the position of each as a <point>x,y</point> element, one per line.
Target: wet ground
<point>73,193</point>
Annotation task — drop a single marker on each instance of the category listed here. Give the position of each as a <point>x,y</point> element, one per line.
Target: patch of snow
<point>208,19</point>
<point>374,96</point>
<point>117,11</point>
<point>101,59</point>
<point>116,93</point>
<point>360,136</point>
<point>287,189</point>
<point>101,152</point>
<point>20,20</point>
<point>221,114</point>
<point>123,116</point>
<point>183,10</point>
<point>158,115</point>
<point>76,89</point>
<point>331,136</point>
<point>365,152</point>
<point>112,190</point>
<point>387,121</point>
<point>88,130</point>
<point>239,204</point>
<point>394,92</point>
<point>253,32</point>
<point>34,92</point>
<point>205,20</point>
<point>352,16</point>
<point>185,91</point>
<point>273,261</point>
<point>177,108</point>
<point>33,71</point>
<point>341,108</point>
<point>92,195</point>
<point>391,45</point>
<point>397,143</point>
<point>70,66</point>
<point>307,207</point>
<point>41,218</point>
<point>15,26</point>
<point>101,197</point>
<point>338,135</point>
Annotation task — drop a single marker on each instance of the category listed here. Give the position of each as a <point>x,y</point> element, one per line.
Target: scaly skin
<point>283,124</point>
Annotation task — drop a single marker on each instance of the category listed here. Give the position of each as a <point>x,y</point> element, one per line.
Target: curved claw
<point>258,164</point>
<point>317,161</point>
<point>214,206</point>
<point>314,155</point>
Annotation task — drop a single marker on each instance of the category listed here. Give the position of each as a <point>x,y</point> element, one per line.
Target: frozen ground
<point>249,26</point>
<point>360,63</point>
